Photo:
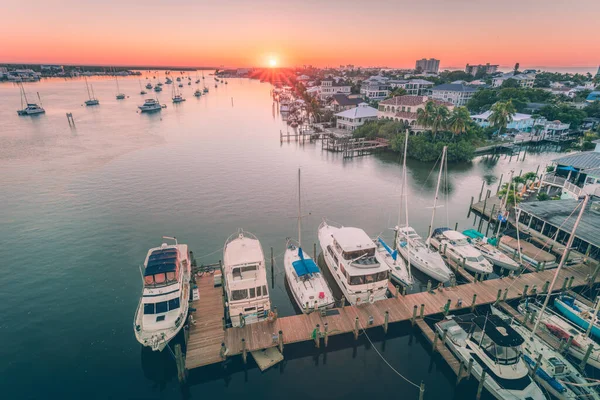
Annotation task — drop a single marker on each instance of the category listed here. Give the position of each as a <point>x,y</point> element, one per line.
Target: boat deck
<point>206,336</point>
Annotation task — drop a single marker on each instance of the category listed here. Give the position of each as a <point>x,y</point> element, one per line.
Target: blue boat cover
<point>438,231</point>
<point>394,253</point>
<point>304,266</point>
<point>161,261</point>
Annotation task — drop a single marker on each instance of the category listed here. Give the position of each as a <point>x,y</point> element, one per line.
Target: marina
<point>145,150</point>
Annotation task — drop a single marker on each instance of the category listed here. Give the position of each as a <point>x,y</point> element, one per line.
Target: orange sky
<point>321,33</point>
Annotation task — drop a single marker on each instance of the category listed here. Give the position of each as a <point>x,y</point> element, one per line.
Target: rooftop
<point>454,87</point>
<point>559,213</point>
<point>406,100</point>
<point>243,250</point>
<point>344,100</point>
<point>351,239</point>
<point>516,117</point>
<point>362,111</point>
<point>583,160</point>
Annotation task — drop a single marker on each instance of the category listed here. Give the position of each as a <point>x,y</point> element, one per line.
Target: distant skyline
<point>237,33</point>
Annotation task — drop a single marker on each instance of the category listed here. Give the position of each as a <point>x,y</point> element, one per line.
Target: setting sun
<point>272,62</point>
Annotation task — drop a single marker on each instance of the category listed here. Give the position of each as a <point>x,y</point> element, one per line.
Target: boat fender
<point>371,299</point>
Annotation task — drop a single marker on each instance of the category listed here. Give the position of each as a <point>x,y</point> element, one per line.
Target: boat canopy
<point>161,261</point>
<point>439,231</point>
<point>304,266</point>
<point>499,331</point>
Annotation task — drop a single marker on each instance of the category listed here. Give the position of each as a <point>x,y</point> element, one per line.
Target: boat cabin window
<point>343,270</point>
<point>239,271</point>
<point>252,293</point>
<point>501,354</point>
<point>459,242</point>
<point>161,307</point>
<point>351,255</point>
<point>371,278</point>
<point>240,294</point>
<point>476,259</point>
<point>337,246</point>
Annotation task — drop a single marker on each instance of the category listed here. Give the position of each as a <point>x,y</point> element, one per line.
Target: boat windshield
<point>163,278</point>
<point>504,355</point>
<point>476,259</point>
<point>244,294</point>
<point>459,242</point>
<point>351,255</point>
<point>366,279</point>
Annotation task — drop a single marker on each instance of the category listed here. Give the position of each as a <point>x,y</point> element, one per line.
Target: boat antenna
<point>563,260</point>
<point>437,192</point>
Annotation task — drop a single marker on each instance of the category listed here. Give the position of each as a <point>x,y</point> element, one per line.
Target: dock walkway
<point>204,345</point>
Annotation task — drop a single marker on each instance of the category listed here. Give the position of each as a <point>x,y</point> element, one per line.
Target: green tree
<point>439,119</point>
<point>425,114</point>
<point>397,92</point>
<point>482,100</point>
<point>502,114</point>
<point>516,69</point>
<point>510,83</point>
<point>458,120</point>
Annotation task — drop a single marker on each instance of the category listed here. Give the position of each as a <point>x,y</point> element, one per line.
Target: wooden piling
<point>356,328</point>
<point>481,191</point>
<point>422,312</point>
<point>280,341</point>
<point>480,387</point>
<point>180,362</point>
<point>244,351</point>
<point>318,336</point>
<point>315,252</point>
<point>474,301</point>
<point>538,360</point>
<point>326,334</point>
<point>587,356</point>
<point>386,319</point>
<point>414,316</point>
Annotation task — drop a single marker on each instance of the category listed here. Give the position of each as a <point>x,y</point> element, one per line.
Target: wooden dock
<point>351,147</point>
<point>206,336</point>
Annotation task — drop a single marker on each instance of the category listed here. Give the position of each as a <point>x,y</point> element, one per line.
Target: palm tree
<point>502,114</point>
<point>439,119</point>
<point>396,92</point>
<point>459,120</point>
<point>425,114</point>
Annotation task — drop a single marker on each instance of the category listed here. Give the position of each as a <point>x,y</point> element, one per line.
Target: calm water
<point>80,208</point>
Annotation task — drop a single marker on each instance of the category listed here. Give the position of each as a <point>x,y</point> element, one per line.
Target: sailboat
<point>142,91</point>
<point>490,252</point>
<point>92,100</point>
<point>554,372</point>
<point>120,96</point>
<point>305,280</point>
<point>578,313</point>
<point>177,97</point>
<point>562,329</point>
<point>28,108</point>
<point>417,252</point>
<point>400,270</point>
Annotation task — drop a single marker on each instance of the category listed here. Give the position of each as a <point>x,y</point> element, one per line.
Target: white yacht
<point>491,253</point>
<point>496,349</point>
<point>555,374</point>
<point>198,93</point>
<point>28,108</point>
<point>419,253</point>
<point>163,308</point>
<point>148,85</point>
<point>177,97</point>
<point>150,105</point>
<point>305,280</point>
<point>562,329</point>
<point>168,81</point>
<point>205,90</point>
<point>157,88</point>
<point>350,256</point>
<point>245,279</point>
<point>459,250</point>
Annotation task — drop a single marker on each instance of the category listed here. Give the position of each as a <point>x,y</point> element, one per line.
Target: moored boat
<point>457,248</point>
<point>150,105</point>
<point>28,108</point>
<point>164,304</point>
<point>492,254</point>
<point>578,313</point>
<point>245,280</point>
<point>350,256</point>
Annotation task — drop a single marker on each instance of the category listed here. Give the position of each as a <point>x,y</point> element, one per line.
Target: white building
<point>355,117</point>
<point>405,109</point>
<point>413,87</point>
<point>428,65</point>
<point>520,122</point>
<point>329,87</point>
<point>376,87</point>
<point>524,80</point>
<point>485,68</point>
<point>457,94</point>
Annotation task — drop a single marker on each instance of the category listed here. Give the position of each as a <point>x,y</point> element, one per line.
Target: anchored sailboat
<point>92,100</point>
<point>305,280</point>
<point>28,108</point>
<point>120,96</point>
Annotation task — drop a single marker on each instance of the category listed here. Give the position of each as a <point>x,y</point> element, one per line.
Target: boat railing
<point>239,233</point>
<point>554,179</point>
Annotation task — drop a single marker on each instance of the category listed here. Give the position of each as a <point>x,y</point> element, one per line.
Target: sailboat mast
<point>24,94</point>
<point>299,212</point>
<point>563,260</point>
<point>594,318</point>
<point>88,88</point>
<point>437,192</point>
<point>505,200</point>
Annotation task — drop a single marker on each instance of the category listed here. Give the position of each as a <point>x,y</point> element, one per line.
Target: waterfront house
<point>330,86</point>
<point>375,87</point>
<point>405,109</point>
<point>355,117</point>
<point>520,122</point>
<point>524,80</point>
<point>457,94</point>
<point>341,102</point>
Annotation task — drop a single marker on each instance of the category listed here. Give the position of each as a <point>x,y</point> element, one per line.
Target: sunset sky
<point>322,33</point>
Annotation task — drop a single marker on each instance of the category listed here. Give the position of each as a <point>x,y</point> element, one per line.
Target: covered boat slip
<point>528,250</point>
<point>208,333</point>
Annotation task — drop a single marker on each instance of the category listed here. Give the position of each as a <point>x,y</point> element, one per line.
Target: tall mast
<point>437,192</point>
<point>405,193</point>
<point>299,212</point>
<point>24,94</point>
<point>563,260</point>
<point>88,88</point>
<point>505,200</point>
<point>594,318</point>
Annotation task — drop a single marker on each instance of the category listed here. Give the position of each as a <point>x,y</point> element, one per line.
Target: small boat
<point>157,88</point>
<point>458,249</point>
<point>148,85</point>
<point>215,85</point>
<point>150,105</point>
<point>350,256</point>
<point>178,79</point>
<point>305,280</point>
<point>555,374</point>
<point>159,84</point>
<point>92,100</point>
<point>142,91</point>
<point>189,83</point>
<point>205,90</point>
<point>491,253</point>
<point>578,313</point>
<point>164,304</point>
<point>168,81</point>
<point>28,108</point>
<point>197,81</point>
<point>120,96</point>
<point>180,85</point>
<point>562,329</point>
<point>178,98</point>
<point>494,347</point>
<point>198,93</point>
<point>245,280</point>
